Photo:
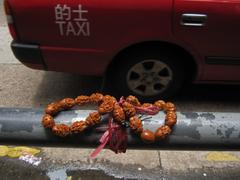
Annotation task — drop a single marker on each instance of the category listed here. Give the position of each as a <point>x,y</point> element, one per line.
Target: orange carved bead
<point>93,119</point>
<point>146,105</point>
<point>82,100</point>
<point>67,103</point>
<point>61,130</point>
<point>133,100</point>
<point>96,98</point>
<point>78,126</point>
<point>109,98</point>
<point>171,114</point>
<point>52,108</point>
<point>106,107</point>
<point>148,136</point>
<point>136,124</point>
<point>129,109</point>
<point>162,132</point>
<point>118,114</point>
<point>169,107</point>
<point>48,121</point>
<point>170,121</point>
<point>160,104</point>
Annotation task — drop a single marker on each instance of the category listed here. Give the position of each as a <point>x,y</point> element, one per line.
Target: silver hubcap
<point>149,77</point>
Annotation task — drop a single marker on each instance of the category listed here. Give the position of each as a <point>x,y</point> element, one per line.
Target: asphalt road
<point>24,87</point>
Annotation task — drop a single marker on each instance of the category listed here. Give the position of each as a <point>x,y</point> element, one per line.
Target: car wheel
<point>149,76</point>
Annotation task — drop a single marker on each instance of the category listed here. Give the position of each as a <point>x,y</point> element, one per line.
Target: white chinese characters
<point>72,22</point>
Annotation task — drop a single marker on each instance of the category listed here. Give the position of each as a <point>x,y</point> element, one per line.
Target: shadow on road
<point>210,92</point>
<point>55,86</point>
<point>224,98</point>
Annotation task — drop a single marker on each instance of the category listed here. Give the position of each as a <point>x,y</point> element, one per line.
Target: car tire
<point>148,75</point>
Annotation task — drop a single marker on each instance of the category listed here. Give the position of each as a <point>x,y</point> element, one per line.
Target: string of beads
<point>125,112</point>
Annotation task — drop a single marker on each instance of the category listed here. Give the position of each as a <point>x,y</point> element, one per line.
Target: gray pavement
<point>24,87</point>
<point>2,17</point>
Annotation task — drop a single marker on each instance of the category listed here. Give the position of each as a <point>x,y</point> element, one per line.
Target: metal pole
<point>193,131</point>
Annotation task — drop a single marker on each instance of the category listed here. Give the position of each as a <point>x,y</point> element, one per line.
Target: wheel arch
<point>187,57</point>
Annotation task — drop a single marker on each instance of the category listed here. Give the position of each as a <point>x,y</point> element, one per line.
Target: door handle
<point>193,19</point>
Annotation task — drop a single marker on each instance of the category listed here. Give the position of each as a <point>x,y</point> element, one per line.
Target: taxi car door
<point>211,27</point>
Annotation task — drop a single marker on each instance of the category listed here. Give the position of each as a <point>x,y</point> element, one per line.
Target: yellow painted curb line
<point>3,151</point>
<point>15,152</point>
<point>221,157</point>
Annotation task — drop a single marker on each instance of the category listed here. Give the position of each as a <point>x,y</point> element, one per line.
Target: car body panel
<point>85,36</point>
<point>218,38</point>
<point>113,27</point>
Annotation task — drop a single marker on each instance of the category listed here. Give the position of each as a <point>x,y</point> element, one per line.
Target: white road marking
<point>6,55</point>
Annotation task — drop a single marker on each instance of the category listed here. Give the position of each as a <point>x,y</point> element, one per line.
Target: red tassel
<point>94,154</point>
<point>151,110</point>
<point>118,141</point>
<point>116,136</point>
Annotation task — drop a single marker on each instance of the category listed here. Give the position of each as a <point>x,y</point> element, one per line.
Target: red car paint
<point>114,26</point>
